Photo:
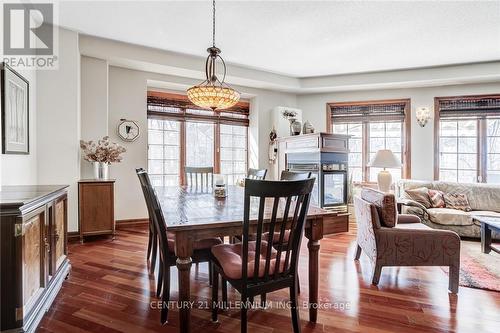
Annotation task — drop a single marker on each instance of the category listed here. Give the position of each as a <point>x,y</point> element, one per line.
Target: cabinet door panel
<point>59,232</point>
<point>32,258</point>
<point>96,212</point>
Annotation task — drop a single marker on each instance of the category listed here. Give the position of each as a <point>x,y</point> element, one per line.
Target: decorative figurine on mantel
<point>101,154</point>
<point>308,128</point>
<point>295,125</point>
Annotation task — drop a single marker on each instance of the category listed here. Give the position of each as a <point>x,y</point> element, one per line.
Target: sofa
<point>388,238</point>
<point>484,199</point>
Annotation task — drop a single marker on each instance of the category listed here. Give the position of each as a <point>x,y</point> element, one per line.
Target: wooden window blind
<point>374,112</point>
<point>175,106</point>
<point>469,106</point>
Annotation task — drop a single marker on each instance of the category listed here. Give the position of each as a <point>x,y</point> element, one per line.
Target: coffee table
<point>488,224</point>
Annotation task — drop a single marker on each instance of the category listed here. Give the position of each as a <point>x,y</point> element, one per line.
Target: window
<point>373,126</point>
<point>199,144</point>
<point>458,150</point>
<point>493,158</point>
<point>468,132</point>
<point>233,152</point>
<point>163,151</point>
<point>180,134</point>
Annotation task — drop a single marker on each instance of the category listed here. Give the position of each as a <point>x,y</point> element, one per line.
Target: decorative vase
<point>101,170</point>
<point>308,127</point>
<point>295,127</point>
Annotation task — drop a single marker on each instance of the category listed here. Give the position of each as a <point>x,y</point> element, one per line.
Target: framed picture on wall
<point>14,105</point>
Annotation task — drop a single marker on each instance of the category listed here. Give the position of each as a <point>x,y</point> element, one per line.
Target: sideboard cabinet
<point>33,252</point>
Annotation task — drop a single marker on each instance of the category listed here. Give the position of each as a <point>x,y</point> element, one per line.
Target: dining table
<point>194,213</point>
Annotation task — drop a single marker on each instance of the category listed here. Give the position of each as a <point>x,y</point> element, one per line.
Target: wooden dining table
<point>194,213</point>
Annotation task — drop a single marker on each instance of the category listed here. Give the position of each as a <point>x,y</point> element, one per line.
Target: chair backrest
<point>193,174</point>
<point>385,203</point>
<point>257,173</point>
<point>294,175</point>
<point>154,208</point>
<point>368,225</point>
<point>276,198</point>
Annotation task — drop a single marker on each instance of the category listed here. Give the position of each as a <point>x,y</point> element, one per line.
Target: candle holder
<point>220,189</point>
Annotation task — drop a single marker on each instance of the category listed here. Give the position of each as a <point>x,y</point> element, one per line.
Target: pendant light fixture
<point>213,93</point>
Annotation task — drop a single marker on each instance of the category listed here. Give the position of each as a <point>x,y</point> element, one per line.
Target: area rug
<point>477,269</point>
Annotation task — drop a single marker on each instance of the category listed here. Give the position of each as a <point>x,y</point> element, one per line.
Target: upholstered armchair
<point>392,239</point>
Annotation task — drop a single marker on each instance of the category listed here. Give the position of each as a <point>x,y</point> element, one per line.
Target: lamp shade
<point>385,158</point>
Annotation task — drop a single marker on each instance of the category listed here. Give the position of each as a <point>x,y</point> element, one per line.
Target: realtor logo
<point>28,29</point>
<point>29,36</point>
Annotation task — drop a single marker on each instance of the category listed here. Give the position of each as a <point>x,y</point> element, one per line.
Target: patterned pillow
<point>437,199</point>
<point>420,195</point>
<point>457,201</point>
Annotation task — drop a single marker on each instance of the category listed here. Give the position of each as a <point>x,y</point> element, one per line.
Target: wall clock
<point>128,130</point>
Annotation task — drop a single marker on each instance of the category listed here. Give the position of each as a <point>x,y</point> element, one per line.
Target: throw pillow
<point>420,195</point>
<point>437,199</point>
<point>457,201</point>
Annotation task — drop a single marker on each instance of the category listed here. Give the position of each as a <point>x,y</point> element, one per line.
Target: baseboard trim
<point>73,235</point>
<point>131,222</point>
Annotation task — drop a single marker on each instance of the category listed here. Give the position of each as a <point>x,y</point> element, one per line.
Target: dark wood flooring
<point>109,290</point>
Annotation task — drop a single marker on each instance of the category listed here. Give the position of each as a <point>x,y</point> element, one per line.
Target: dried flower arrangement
<point>288,114</point>
<point>102,151</point>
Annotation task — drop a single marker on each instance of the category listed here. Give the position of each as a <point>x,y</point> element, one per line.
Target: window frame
<point>482,134</point>
<point>181,103</point>
<point>405,135</point>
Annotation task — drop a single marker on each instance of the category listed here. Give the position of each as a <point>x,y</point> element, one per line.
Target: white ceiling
<point>303,38</point>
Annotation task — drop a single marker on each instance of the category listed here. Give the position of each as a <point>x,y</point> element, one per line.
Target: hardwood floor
<point>109,290</point>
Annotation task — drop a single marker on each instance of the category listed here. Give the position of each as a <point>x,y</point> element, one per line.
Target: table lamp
<point>385,158</point>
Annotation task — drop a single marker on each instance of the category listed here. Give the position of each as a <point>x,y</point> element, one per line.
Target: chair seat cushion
<point>449,216</point>
<point>198,245</point>
<point>230,259</point>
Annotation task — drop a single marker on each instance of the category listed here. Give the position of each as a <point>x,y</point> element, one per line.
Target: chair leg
<point>358,252</point>
<point>454,274</point>
<point>263,300</point>
<point>210,277</point>
<point>215,294</point>
<point>154,252</point>
<point>165,297</point>
<point>298,284</point>
<point>376,274</point>
<point>243,313</point>
<point>159,283</point>
<point>150,241</point>
<point>293,308</point>
<point>224,293</point>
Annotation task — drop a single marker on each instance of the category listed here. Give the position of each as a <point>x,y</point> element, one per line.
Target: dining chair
<point>253,267</point>
<point>294,175</point>
<point>166,241</point>
<point>204,173</point>
<point>257,173</point>
<point>152,237</point>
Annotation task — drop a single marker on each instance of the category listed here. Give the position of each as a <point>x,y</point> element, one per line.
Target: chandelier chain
<point>213,23</point>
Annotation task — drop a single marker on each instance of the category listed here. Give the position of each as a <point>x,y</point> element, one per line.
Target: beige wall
<point>422,139</point>
<point>58,122</point>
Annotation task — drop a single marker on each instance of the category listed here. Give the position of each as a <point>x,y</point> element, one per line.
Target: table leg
<point>184,251</point>
<point>485,238</point>
<point>314,232</point>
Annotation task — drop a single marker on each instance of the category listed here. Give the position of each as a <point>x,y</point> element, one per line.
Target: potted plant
<point>101,154</point>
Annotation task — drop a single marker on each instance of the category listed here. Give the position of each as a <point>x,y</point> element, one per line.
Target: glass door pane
<point>199,144</point>
<point>333,189</point>
<point>163,152</point>
<point>233,152</point>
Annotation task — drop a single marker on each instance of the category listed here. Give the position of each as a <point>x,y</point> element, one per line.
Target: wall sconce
<point>423,115</point>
